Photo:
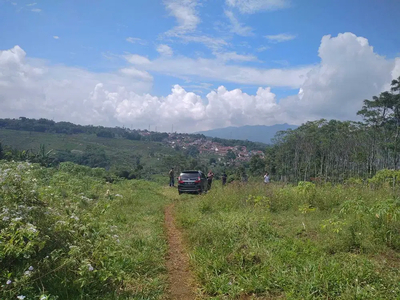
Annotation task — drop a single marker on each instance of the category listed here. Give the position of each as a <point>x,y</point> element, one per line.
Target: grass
<point>139,217</point>
<point>301,242</point>
<point>66,234</point>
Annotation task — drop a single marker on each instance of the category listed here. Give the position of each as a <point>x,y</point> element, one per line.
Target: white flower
<point>27,273</point>
<point>17,219</point>
<point>8,281</point>
<point>30,268</point>
<point>6,218</point>
<point>21,297</point>
<point>90,267</point>
<point>118,195</point>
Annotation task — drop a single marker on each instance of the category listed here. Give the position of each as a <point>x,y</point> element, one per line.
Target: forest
<point>337,150</point>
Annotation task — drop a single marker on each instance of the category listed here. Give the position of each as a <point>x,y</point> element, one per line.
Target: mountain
<point>257,133</point>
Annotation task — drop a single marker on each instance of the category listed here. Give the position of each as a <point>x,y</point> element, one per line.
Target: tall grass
<point>294,242</point>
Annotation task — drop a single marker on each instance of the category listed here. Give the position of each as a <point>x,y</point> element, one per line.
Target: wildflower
<point>27,273</point>
<point>6,218</point>
<point>17,219</point>
<point>30,268</point>
<point>8,281</point>
<point>90,267</point>
<point>118,195</point>
<point>21,297</point>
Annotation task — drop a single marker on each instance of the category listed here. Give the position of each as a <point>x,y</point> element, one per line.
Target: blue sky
<point>130,49</point>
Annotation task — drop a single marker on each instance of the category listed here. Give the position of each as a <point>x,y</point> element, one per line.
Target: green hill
<point>119,152</point>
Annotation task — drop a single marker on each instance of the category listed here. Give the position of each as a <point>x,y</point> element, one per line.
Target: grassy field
<point>66,234</point>
<point>305,242</point>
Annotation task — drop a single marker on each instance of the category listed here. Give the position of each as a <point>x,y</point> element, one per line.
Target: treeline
<point>50,126</point>
<point>250,146</point>
<point>336,150</point>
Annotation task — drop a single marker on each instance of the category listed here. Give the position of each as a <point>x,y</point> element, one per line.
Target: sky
<point>192,65</point>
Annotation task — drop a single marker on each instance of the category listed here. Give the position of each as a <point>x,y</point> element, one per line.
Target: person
<point>224,177</point>
<point>171,177</point>
<point>210,176</point>
<point>266,178</point>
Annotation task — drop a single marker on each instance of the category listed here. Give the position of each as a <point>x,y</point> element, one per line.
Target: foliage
<point>62,235</point>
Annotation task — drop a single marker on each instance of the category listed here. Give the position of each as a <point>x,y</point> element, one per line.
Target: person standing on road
<point>266,178</point>
<point>171,177</point>
<point>224,177</point>
<point>210,176</point>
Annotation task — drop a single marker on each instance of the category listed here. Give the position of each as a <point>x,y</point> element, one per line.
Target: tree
<point>230,155</point>
<point>257,165</point>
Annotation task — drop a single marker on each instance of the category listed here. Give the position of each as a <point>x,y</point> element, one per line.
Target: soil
<point>180,278</point>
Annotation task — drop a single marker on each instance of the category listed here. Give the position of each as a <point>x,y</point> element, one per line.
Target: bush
<point>50,240</point>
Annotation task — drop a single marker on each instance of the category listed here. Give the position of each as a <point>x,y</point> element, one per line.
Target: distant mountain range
<point>257,133</point>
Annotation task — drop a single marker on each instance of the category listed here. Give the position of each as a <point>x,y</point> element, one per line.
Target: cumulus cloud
<point>253,6</point>
<point>237,27</point>
<point>279,38</point>
<point>349,72</point>
<point>165,50</point>
<point>33,88</point>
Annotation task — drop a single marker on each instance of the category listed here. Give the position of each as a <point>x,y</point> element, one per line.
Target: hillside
<point>257,133</point>
<point>127,153</point>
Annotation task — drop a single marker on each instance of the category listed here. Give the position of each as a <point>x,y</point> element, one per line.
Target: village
<point>208,146</point>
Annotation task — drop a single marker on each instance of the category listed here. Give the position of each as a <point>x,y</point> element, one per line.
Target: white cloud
<point>13,3</point>
<point>31,4</point>
<point>278,38</point>
<point>137,59</point>
<point>217,69</point>
<point>185,13</point>
<point>33,88</point>
<point>56,37</point>
<point>253,6</point>
<point>37,10</point>
<point>136,41</point>
<point>233,56</point>
<point>133,72</point>
<point>210,42</point>
<point>262,48</point>
<point>349,72</point>
<point>237,27</point>
<point>165,50</point>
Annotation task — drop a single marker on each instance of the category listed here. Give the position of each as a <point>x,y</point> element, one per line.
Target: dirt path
<point>180,278</point>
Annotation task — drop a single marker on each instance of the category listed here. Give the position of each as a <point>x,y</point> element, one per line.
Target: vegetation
<point>65,234</point>
<point>295,242</point>
<point>336,150</point>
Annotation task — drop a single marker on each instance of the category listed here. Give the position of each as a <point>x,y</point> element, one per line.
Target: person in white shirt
<point>266,178</point>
